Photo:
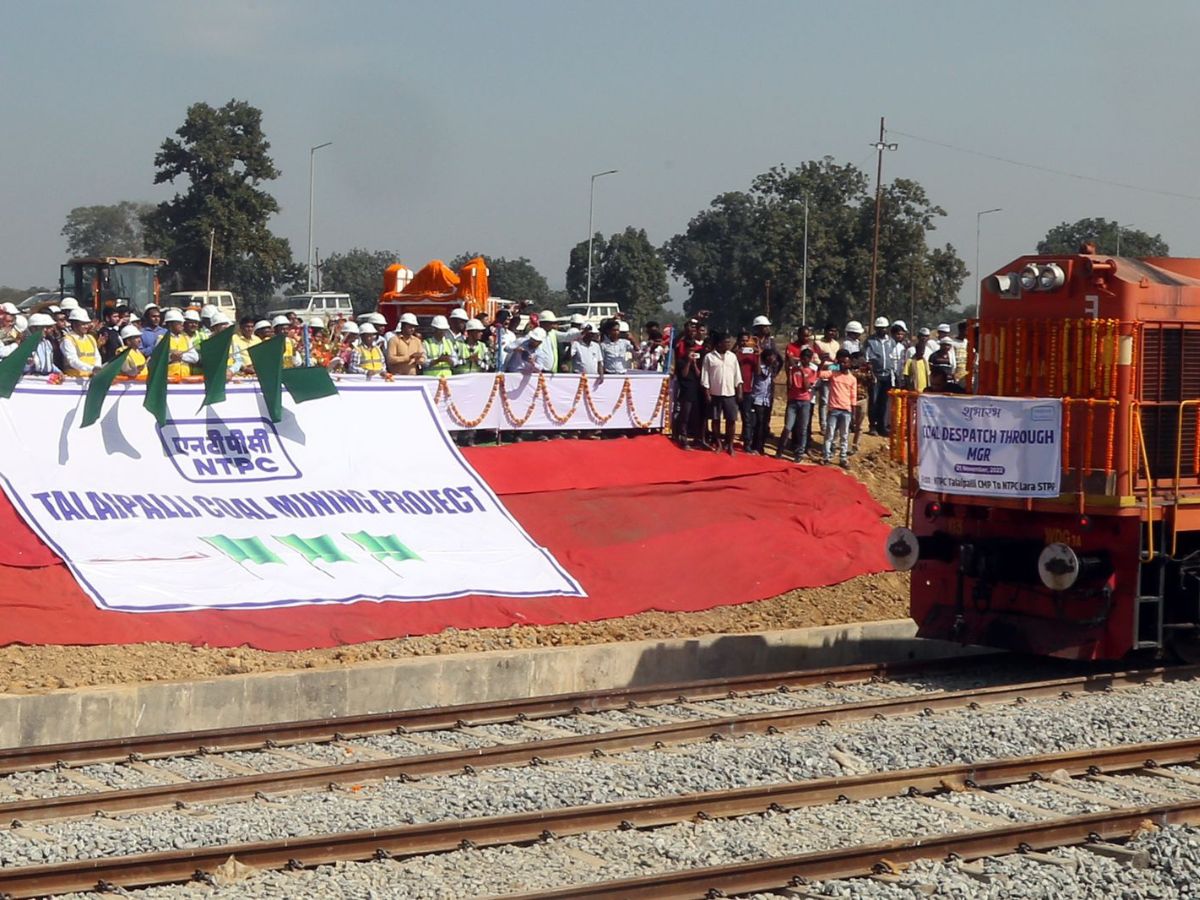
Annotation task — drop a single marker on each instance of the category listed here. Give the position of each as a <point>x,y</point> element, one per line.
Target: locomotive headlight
<point>1029,278</point>
<point>902,549</point>
<point>1050,277</point>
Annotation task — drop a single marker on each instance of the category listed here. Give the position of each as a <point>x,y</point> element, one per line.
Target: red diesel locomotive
<point>1111,566</point>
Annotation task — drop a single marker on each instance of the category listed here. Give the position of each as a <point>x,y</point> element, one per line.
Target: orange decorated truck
<point>436,290</point>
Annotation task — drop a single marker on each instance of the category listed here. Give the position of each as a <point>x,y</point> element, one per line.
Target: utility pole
<point>212,236</point>
<point>804,276</point>
<point>591,230</point>
<point>768,292</point>
<point>312,155</point>
<point>979,281</point>
<point>879,145</point>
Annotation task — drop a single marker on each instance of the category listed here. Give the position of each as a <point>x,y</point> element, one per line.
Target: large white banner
<point>543,402</point>
<point>361,496</point>
<point>991,446</point>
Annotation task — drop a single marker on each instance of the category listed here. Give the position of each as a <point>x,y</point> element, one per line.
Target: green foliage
<point>359,273</point>
<point>745,238</point>
<point>626,268</point>
<point>115,230</point>
<point>222,154</point>
<point>512,279</point>
<point>1069,237</point>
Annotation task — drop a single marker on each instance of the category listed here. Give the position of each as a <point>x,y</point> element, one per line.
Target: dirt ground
<point>866,598</point>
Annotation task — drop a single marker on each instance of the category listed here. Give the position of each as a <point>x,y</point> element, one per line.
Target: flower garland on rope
<point>542,392</point>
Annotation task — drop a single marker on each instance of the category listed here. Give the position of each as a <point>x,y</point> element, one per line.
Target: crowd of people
<point>74,344</point>
<point>829,383</point>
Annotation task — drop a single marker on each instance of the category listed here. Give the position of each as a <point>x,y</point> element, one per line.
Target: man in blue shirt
<point>152,328</point>
<point>879,351</point>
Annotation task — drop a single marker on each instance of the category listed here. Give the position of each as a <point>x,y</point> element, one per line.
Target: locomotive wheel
<point>1185,644</point>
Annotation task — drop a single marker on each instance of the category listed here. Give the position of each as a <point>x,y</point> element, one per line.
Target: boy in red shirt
<point>802,377</point>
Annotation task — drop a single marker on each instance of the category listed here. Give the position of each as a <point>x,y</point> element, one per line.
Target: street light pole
<point>879,145</point>
<point>591,205</point>
<point>312,154</point>
<point>978,221</point>
<point>804,276</point>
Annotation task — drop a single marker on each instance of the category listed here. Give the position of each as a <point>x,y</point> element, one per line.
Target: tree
<point>626,268</point>
<point>1068,238</point>
<point>744,239</point>
<point>512,279</point>
<point>115,230</point>
<point>358,273</point>
<point>222,153</point>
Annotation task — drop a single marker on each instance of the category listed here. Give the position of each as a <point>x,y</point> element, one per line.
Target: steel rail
<point>534,752</point>
<point>411,840</point>
<point>774,874</point>
<point>490,712</point>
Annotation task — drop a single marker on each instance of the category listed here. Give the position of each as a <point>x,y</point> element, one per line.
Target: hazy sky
<point>475,126</point>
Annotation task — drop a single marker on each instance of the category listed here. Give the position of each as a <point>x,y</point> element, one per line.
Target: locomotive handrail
<point>1136,415</point>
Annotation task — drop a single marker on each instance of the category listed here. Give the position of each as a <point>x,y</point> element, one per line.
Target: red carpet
<point>641,524</point>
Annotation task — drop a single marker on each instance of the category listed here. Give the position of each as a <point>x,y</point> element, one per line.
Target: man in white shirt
<point>853,342</point>
<point>721,379</point>
<point>586,357</point>
<point>943,333</point>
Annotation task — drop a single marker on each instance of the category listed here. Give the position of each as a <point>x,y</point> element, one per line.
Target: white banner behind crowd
<point>991,446</point>
<point>360,496</point>
<point>536,403</point>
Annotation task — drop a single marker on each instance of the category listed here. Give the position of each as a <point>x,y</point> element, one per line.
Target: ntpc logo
<point>215,451</point>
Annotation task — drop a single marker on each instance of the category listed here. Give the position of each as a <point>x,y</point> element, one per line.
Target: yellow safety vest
<point>289,352</point>
<point>435,347</point>
<point>371,358</point>
<point>87,350</point>
<point>180,343</point>
<point>135,359</point>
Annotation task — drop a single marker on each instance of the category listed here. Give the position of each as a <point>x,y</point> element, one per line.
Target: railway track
<point>768,874</point>
<point>435,718</point>
<point>544,748</point>
<point>162,867</point>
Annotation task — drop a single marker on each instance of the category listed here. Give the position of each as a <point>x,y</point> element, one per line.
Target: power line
<point>1047,169</point>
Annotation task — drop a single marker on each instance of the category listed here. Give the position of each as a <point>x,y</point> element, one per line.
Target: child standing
<point>802,378</point>
<point>843,391</point>
<point>762,398</point>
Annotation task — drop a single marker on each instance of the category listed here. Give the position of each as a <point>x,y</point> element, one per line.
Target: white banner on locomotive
<point>989,446</point>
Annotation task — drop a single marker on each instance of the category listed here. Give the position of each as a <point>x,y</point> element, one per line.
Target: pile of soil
<point>862,599</point>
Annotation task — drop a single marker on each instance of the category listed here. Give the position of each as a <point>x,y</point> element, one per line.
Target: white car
<point>595,312</point>
<point>326,305</point>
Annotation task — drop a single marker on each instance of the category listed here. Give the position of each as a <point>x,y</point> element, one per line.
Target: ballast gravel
<point>1147,713</point>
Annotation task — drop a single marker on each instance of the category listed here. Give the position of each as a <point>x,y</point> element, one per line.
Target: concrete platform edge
<point>157,707</point>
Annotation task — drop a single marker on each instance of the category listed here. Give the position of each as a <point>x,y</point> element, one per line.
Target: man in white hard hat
<point>281,329</point>
<point>943,334</point>
<point>476,356</point>
<point>41,361</point>
<point>181,355</point>
<point>928,345</point>
<point>526,356</point>
<point>761,329</point>
<point>67,304</point>
<point>8,314</point>
<point>80,351</point>
<point>441,349</point>
<point>878,352</point>
<point>549,321</point>
<point>366,357</point>
<point>586,356</point>
<point>853,340</point>
<point>134,363</point>
<point>458,320</point>
<point>405,351</point>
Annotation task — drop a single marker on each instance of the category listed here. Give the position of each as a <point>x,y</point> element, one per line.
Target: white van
<point>222,300</point>
<point>324,304</point>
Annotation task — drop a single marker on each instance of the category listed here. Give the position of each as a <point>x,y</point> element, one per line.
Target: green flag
<point>314,549</point>
<point>214,364</point>
<point>308,383</point>
<point>98,389</point>
<point>267,358</point>
<point>156,380</point>
<point>383,546</point>
<point>12,367</point>
<point>243,550</point>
